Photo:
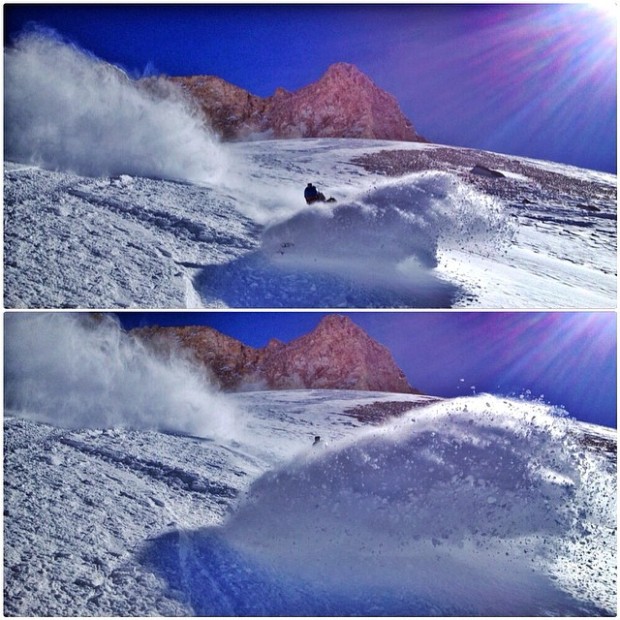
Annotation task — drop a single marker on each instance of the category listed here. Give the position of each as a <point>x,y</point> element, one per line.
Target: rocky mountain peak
<point>281,92</point>
<point>335,331</point>
<point>337,323</point>
<point>343,103</point>
<point>337,354</point>
<point>345,72</point>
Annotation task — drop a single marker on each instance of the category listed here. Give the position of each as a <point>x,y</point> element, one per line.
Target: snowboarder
<point>312,194</point>
<point>317,440</point>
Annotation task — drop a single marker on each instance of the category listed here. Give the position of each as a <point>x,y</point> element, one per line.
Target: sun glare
<point>604,15</point>
<point>607,8</point>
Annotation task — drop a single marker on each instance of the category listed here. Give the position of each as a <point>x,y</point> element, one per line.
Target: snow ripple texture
<point>70,111</point>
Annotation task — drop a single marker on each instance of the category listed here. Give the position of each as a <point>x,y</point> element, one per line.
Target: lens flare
<point>608,10</point>
<point>541,70</point>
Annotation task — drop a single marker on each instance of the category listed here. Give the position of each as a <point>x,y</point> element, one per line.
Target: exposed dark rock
<point>380,411</point>
<point>487,172</point>
<point>528,184</point>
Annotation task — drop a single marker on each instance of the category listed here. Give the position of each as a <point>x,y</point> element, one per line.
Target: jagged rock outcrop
<point>230,362</point>
<point>336,355</point>
<point>344,103</point>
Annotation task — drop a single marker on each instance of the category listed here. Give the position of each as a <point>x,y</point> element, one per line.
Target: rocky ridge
<point>519,182</point>
<point>343,103</point>
<point>337,354</point>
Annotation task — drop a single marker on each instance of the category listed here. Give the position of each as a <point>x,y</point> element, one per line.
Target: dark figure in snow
<point>317,439</point>
<point>312,194</point>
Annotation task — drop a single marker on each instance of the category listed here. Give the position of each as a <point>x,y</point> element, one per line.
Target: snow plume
<point>415,216</point>
<point>66,110</point>
<point>396,232</point>
<point>468,507</point>
<point>84,371</point>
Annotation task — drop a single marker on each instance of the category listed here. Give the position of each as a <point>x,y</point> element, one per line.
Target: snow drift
<point>476,506</point>
<point>83,371</point>
<point>67,110</point>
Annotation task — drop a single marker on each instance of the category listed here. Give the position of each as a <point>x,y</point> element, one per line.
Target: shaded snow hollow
<point>123,199</point>
<point>132,487</point>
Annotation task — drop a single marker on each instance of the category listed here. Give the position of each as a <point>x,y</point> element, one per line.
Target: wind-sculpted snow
<point>81,371</point>
<point>66,110</point>
<point>478,506</point>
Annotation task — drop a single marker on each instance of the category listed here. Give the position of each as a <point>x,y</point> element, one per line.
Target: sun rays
<point>530,65</point>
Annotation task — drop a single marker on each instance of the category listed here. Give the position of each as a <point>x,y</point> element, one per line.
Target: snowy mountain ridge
<point>337,354</point>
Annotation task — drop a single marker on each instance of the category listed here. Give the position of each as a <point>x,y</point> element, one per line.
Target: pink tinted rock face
<point>344,103</point>
<point>336,355</point>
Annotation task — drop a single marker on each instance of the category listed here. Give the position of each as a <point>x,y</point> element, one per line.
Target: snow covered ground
<point>118,197</point>
<point>184,501</point>
<point>428,239</point>
<point>475,506</point>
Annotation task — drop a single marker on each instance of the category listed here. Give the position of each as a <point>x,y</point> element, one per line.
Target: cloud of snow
<point>391,238</point>
<point>470,507</point>
<point>67,110</point>
<point>412,217</point>
<point>84,371</point>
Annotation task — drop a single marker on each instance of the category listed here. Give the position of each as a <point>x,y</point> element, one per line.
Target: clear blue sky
<point>568,359</point>
<point>523,79</point>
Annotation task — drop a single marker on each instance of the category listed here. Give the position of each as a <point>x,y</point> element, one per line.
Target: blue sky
<point>523,79</point>
<point>566,358</point>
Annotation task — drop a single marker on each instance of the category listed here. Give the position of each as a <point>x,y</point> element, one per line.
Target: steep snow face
<point>383,247</point>
<point>84,508</point>
<point>469,507</point>
<point>478,506</point>
<point>428,239</point>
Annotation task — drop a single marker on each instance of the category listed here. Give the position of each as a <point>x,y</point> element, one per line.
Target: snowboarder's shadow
<point>204,571</point>
<point>260,281</point>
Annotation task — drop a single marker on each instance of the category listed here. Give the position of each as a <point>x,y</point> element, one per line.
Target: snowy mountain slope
<point>479,505</point>
<point>243,236</point>
<point>108,491</point>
